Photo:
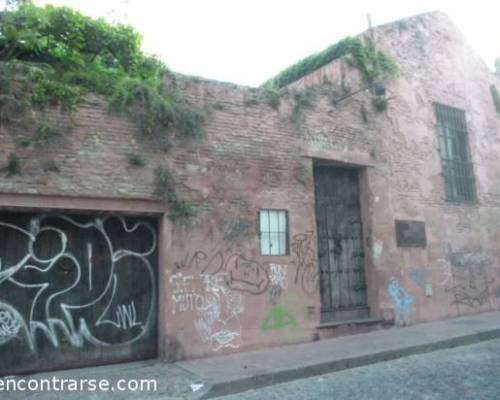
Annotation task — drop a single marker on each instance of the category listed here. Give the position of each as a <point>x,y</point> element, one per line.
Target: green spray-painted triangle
<point>279,317</point>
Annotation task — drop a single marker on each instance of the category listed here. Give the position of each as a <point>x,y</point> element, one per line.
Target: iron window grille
<point>273,232</point>
<point>455,155</point>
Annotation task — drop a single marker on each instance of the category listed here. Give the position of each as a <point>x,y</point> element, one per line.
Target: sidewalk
<point>217,376</point>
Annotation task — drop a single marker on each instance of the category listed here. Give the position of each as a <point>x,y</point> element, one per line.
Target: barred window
<point>273,232</point>
<point>455,156</point>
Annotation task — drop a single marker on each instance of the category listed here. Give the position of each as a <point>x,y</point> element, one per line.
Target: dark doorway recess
<point>340,244</point>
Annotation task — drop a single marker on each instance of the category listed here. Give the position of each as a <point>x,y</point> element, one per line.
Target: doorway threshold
<point>358,321</point>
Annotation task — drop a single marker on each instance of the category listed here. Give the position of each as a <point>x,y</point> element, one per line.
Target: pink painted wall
<point>255,157</point>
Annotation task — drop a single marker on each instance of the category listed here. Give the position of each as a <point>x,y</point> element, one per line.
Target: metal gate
<point>76,290</point>
<point>340,244</point>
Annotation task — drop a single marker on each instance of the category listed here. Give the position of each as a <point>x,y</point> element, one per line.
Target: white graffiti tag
<point>80,276</point>
<point>218,323</point>
<point>126,316</point>
<point>445,267</point>
<point>9,325</point>
<point>185,296</point>
<point>278,275</point>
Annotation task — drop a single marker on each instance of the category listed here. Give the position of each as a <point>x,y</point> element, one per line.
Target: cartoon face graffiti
<point>246,275</point>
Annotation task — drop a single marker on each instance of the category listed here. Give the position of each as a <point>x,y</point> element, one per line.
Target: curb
<point>271,378</point>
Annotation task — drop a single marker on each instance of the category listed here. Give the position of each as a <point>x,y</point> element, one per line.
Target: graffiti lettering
<point>470,282</point>
<point>306,270</point>
<point>215,305</point>
<point>274,293</point>
<point>279,281</point>
<point>180,283</point>
<point>76,274</point>
<point>278,275</point>
<point>184,295</point>
<point>446,269</point>
<point>241,274</point>
<point>126,316</point>
<point>199,261</point>
<point>218,322</point>
<point>187,302</point>
<point>10,324</point>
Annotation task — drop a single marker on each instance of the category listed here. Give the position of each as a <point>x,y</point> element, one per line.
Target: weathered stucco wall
<point>460,260</point>
<point>254,157</point>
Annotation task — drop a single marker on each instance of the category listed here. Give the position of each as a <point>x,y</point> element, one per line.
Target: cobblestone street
<point>467,372</point>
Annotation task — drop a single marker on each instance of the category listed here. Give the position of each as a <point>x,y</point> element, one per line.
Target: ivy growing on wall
<point>372,63</point>
<point>14,165</point>
<point>181,210</point>
<point>53,56</point>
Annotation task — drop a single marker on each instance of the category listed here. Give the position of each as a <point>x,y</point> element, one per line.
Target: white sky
<point>249,41</point>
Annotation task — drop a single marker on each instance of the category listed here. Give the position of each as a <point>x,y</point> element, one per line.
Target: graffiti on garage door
<point>77,281</point>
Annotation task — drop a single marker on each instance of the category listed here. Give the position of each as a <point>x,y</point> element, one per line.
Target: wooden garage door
<point>76,290</point>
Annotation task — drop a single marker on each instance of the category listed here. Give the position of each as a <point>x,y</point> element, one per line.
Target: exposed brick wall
<point>255,157</point>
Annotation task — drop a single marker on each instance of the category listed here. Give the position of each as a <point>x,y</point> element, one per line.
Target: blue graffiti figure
<point>403,301</point>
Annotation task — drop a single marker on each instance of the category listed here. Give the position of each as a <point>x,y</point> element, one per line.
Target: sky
<point>247,42</point>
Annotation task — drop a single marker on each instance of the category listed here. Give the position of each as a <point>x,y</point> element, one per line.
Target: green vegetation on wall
<point>181,210</point>
<point>14,164</point>
<point>136,160</point>
<point>373,63</point>
<point>496,97</point>
<point>55,55</point>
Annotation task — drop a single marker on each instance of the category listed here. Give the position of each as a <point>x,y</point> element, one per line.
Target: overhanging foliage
<point>373,63</point>
<point>56,54</point>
